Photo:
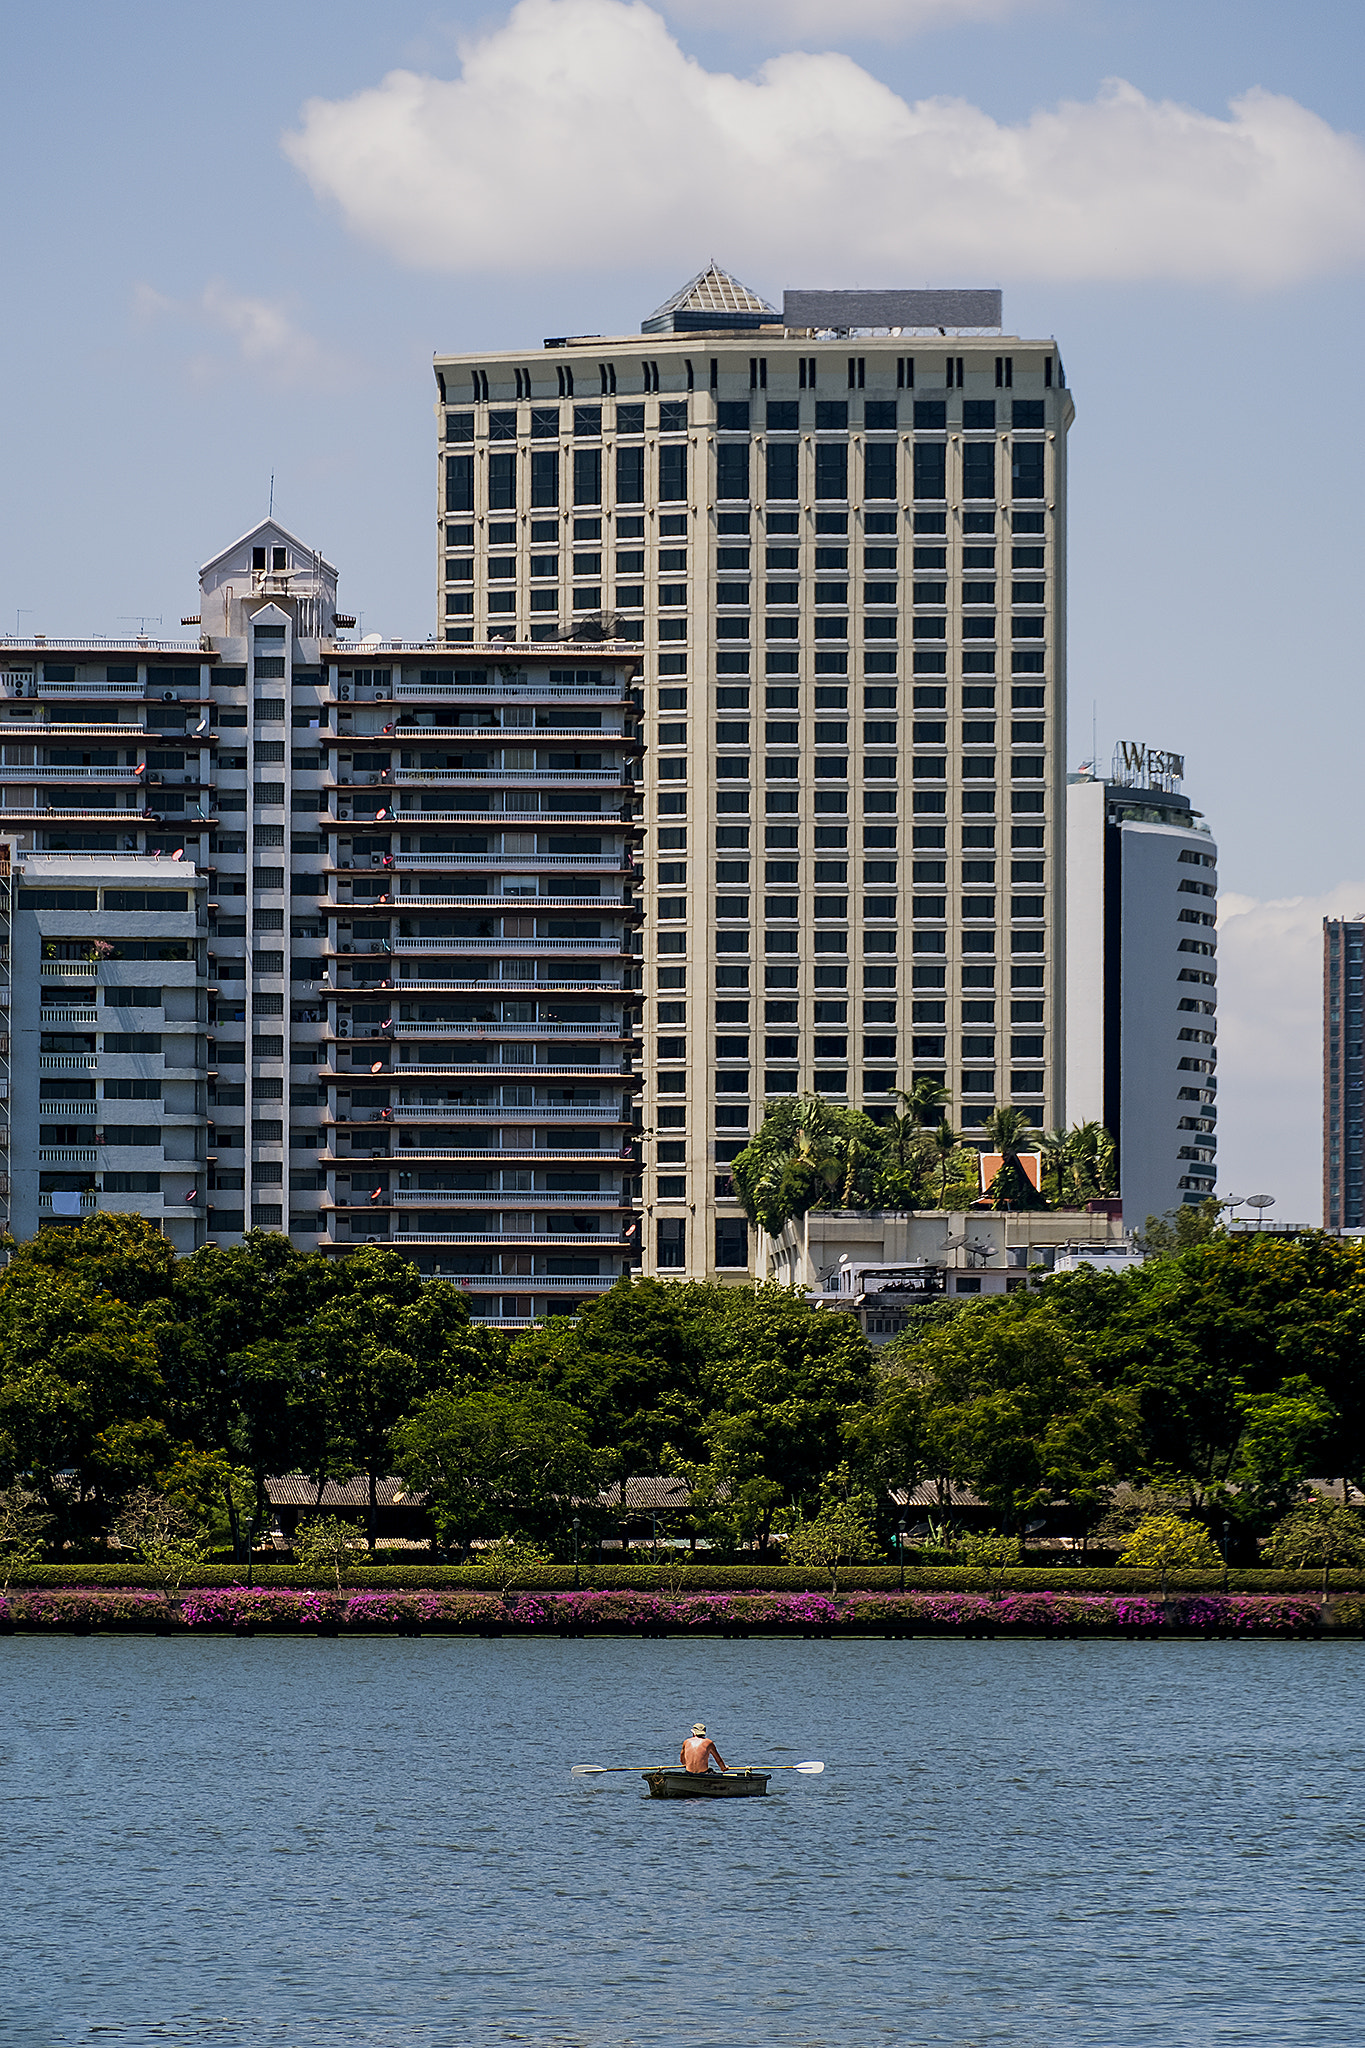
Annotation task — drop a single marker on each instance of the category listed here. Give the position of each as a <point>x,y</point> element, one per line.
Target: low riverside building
<point>879,1264</point>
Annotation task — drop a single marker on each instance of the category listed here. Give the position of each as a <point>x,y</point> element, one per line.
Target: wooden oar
<point>607,1770</point>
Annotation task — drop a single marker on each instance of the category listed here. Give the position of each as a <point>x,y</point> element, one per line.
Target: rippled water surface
<point>324,1844</point>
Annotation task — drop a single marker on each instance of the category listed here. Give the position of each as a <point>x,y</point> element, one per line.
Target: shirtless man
<point>698,1750</point>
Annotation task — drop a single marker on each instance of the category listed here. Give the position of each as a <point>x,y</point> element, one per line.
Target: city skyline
<point>313,345</point>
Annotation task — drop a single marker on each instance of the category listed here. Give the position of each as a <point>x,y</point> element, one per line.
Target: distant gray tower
<point>1141,983</point>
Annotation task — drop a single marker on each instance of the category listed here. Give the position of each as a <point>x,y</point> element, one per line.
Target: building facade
<point>383,901</point>
<point>836,536</point>
<point>1343,1073</point>
<point>1142,977</point>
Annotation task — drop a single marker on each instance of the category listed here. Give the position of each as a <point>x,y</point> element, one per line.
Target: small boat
<point>666,1783</point>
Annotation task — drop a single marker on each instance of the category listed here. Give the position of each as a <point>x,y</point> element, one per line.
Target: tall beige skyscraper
<point>837,536</point>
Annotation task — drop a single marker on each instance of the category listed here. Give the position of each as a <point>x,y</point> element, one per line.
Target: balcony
<point>513,863</point>
<point>65,1155</point>
<point>584,948</point>
<point>68,1062</point>
<point>415,1199</point>
<point>520,1112</point>
<point>540,778</point>
<point>89,1200</point>
<point>46,1017</point>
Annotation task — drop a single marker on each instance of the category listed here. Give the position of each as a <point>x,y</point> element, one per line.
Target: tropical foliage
<point>155,1395</point>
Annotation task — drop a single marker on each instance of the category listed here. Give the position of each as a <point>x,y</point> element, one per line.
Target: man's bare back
<point>698,1750</point>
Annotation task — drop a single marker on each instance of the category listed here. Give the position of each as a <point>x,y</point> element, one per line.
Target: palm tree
<point>1083,1145</point>
<point>924,1101</point>
<point>946,1142</point>
<point>1055,1148</point>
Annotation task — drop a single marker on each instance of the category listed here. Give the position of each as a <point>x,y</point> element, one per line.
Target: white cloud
<point>840,19</point>
<point>579,135</point>
<point>265,337</point>
<point>1270,1046</point>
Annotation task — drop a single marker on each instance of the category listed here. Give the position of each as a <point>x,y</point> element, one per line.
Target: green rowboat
<point>666,1783</point>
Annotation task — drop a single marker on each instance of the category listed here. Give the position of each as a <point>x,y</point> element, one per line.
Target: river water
<point>375,1843</point>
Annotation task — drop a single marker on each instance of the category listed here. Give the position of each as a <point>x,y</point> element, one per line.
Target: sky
<point>233,242</point>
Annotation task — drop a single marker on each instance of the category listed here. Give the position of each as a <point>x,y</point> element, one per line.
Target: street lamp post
<point>900,1548</point>
<point>575,1552</point>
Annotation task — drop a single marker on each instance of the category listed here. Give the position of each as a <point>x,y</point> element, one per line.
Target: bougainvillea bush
<point>285,1609</point>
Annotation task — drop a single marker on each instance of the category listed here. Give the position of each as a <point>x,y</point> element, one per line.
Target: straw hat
<point>699,1727</point>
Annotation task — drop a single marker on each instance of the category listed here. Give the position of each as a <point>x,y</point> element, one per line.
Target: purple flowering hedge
<point>291,1610</point>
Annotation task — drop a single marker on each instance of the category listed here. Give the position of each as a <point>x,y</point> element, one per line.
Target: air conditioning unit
<point>344,692</point>
<point>345,864</point>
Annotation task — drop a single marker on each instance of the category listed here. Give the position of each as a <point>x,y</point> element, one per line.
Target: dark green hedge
<point>715,1578</point>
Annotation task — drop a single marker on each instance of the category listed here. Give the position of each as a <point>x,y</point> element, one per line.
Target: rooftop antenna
<point>142,618</point>
<point>20,610</point>
<point>271,513</point>
<point>1094,741</point>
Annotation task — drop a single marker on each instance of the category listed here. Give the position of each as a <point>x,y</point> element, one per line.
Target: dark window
<point>587,420</point>
<point>671,1241</point>
<point>732,1241</point>
<point>879,415</point>
<point>544,422</point>
<point>502,426</point>
<point>733,415</point>
<point>1028,469</point>
<point>673,416</point>
<point>978,593</point>
<point>673,472</point>
<point>459,484</point>
<point>732,468</point>
<point>784,415</point>
<point>459,427</point>
<point>1028,593</point>
<point>931,414</point>
<point>831,469</point>
<point>545,477</point>
<point>782,469</point>
<point>931,469</point>
<point>1028,412</point>
<point>502,483</point>
<point>978,414</point>
<point>630,475</point>
<point>831,415</point>
<point>879,469</point>
<point>587,476</point>
<point>978,468</point>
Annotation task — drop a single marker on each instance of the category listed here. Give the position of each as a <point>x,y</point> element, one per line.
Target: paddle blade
<point>810,1770</point>
<point>587,1770</point>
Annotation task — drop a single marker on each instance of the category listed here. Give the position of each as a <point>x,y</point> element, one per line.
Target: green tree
<point>23,1533</point>
<point>326,1543</point>
<point>1320,1532</point>
<point>806,1152</point>
<point>840,1532</point>
<point>379,1347</point>
<point>1282,1439</point>
<point>1179,1230</point>
<point>1014,1409</point>
<point>170,1539</point>
<point>82,1400</point>
<point>1162,1543</point>
<point>489,1456</point>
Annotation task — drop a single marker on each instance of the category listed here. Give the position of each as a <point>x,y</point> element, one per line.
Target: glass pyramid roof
<point>713,290</point>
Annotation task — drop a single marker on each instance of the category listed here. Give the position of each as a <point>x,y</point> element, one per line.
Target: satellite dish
<point>373,640</point>
<point>981,1250</point>
<point>1260,1201</point>
<point>952,1244</point>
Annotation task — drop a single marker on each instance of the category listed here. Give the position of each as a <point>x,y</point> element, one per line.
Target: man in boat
<point>698,1750</point>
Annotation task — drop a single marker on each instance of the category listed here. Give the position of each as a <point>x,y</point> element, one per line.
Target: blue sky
<point>196,301</point>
